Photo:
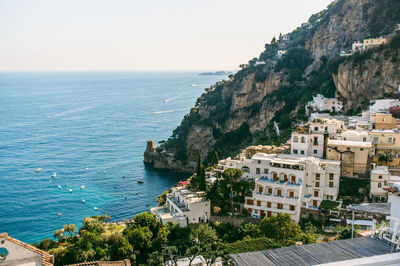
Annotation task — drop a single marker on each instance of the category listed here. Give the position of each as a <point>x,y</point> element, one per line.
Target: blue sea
<point>90,128</point>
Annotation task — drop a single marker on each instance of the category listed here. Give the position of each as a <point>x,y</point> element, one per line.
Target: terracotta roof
<point>125,262</point>
<point>47,259</point>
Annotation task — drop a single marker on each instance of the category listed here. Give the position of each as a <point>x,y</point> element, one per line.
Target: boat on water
<point>140,182</point>
<point>70,190</point>
<point>83,201</point>
<point>95,208</point>
<point>59,214</point>
<point>82,187</point>
<point>54,175</point>
<point>37,170</point>
<point>59,187</point>
<point>194,85</point>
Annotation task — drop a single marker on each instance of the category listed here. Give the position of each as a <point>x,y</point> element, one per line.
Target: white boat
<point>70,190</point>
<point>86,168</point>
<point>82,187</point>
<point>105,172</point>
<point>54,175</point>
<point>95,208</point>
<point>83,201</point>
<point>194,85</point>
<point>37,170</point>
<point>59,187</point>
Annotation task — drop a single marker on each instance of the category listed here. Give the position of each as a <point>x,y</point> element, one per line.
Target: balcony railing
<point>280,182</point>
<point>178,204</point>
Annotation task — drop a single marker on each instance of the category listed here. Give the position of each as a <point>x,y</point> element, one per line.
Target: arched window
<point>295,139</point>
<point>246,169</point>
<point>303,140</point>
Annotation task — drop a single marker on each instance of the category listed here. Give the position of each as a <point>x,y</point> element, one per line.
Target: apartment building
<point>183,207</point>
<point>373,42</point>
<point>386,144</point>
<point>285,183</point>
<point>307,144</point>
<point>385,121</point>
<point>320,103</point>
<point>354,156</point>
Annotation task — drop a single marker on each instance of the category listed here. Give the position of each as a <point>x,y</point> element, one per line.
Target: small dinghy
<point>59,187</point>
<point>37,170</point>
<point>140,182</point>
<point>95,208</point>
<point>82,187</point>
<point>54,175</point>
<point>70,190</point>
<point>83,201</point>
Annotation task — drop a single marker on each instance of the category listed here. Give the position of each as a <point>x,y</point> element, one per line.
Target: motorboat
<point>82,187</point>
<point>54,175</point>
<point>83,201</point>
<point>37,170</point>
<point>70,190</point>
<point>95,208</point>
<point>59,187</point>
<point>140,182</point>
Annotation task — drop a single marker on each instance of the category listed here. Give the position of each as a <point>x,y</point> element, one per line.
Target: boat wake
<point>170,111</point>
<point>169,99</point>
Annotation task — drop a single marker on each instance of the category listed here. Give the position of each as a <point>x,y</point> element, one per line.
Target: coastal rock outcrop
<point>273,87</point>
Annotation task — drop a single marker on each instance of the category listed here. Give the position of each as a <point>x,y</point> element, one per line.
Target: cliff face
<point>373,77</point>
<point>232,114</point>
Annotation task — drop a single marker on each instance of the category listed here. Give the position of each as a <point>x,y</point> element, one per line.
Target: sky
<point>143,34</point>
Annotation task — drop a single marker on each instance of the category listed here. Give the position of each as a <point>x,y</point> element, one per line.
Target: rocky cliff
<point>240,111</point>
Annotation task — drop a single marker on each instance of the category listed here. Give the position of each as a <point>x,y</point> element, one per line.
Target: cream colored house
<point>385,121</point>
<point>354,156</point>
<point>386,144</point>
<point>320,103</point>
<point>381,180</point>
<point>373,42</point>
<point>285,183</point>
<point>183,207</point>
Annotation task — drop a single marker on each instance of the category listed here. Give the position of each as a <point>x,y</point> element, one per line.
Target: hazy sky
<point>142,34</point>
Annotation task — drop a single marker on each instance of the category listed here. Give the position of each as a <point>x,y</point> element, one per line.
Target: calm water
<point>79,125</point>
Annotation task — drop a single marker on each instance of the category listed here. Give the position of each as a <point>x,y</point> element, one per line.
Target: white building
<point>320,103</point>
<point>357,46</point>
<point>183,207</point>
<point>307,144</point>
<point>381,179</point>
<point>284,183</point>
<point>280,53</point>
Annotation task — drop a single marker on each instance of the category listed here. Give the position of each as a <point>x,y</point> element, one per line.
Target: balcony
<point>179,205</point>
<point>275,198</point>
<point>278,182</point>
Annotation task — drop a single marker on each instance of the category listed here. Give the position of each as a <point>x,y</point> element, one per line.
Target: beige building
<point>385,121</point>
<point>373,42</point>
<point>381,180</point>
<point>287,184</point>
<point>183,207</point>
<point>269,149</point>
<point>354,156</point>
<point>386,144</point>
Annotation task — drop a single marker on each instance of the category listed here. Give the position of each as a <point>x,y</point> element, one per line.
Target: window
<point>259,161</point>
<point>304,204</point>
<point>295,139</point>
<point>266,171</point>
<point>317,176</point>
<point>293,179</point>
<point>292,207</point>
<point>246,169</point>
<point>390,139</point>
<point>295,152</point>
<point>316,128</point>
<point>315,151</point>
<point>317,183</point>
<point>348,148</point>
<point>380,177</point>
<point>279,206</point>
<point>331,176</point>
<point>279,192</point>
<point>316,193</point>
<point>302,152</point>
<point>303,140</point>
<point>375,140</point>
<point>379,185</point>
<point>258,171</point>
<point>315,140</point>
<point>269,190</point>
<point>249,202</point>
<point>285,178</point>
<point>330,183</point>
<point>258,203</point>
<point>364,139</point>
<point>268,204</point>
<point>361,149</point>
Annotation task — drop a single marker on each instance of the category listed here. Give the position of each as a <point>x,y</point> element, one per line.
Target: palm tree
<point>232,176</point>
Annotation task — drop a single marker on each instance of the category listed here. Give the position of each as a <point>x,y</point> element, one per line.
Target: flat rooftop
<point>313,254</point>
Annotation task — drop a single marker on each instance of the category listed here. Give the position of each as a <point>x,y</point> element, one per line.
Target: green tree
<point>146,219</point>
<point>232,175</point>
<point>70,229</point>
<point>215,158</point>
<point>202,179</point>
<point>58,234</point>
<point>120,248</point>
<point>281,228</point>
<point>155,259</point>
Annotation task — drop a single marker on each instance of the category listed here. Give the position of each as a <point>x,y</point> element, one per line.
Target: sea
<point>90,128</point>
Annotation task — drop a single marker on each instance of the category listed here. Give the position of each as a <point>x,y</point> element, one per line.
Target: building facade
<point>183,207</point>
<point>287,184</point>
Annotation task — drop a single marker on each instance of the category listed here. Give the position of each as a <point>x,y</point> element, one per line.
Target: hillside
<point>240,111</point>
